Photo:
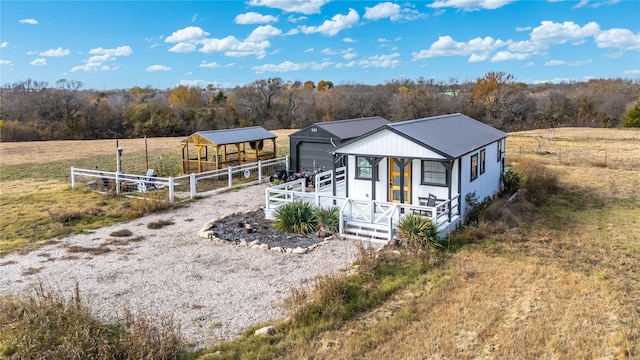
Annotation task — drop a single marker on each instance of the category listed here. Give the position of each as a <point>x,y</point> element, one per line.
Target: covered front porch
<point>368,219</point>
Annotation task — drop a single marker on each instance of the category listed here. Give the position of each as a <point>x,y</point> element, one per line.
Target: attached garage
<point>310,147</point>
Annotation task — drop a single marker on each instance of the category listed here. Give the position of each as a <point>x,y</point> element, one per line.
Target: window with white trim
<point>499,150</point>
<point>482,161</point>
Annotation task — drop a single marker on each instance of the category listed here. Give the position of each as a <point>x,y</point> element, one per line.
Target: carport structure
<point>215,149</point>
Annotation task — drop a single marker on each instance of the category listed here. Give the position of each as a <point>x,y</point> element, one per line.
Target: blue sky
<point>120,44</point>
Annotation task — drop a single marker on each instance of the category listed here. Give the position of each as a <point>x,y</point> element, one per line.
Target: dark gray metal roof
<point>453,134</point>
<point>350,128</point>
<point>234,136</point>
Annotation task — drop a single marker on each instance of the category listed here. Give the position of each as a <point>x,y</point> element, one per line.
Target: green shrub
<point>329,219</point>
<point>296,217</point>
<point>510,182</point>
<point>418,231</point>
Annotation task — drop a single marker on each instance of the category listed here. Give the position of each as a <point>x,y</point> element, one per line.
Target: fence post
<point>286,162</point>
<point>171,191</point>
<point>73,179</point>
<point>259,171</point>
<point>230,175</point>
<point>117,183</point>
<point>192,184</point>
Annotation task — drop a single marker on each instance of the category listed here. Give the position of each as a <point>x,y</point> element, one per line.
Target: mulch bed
<point>233,228</point>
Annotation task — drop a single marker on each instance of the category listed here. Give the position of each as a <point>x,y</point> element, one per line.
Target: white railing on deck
<point>382,215</point>
<point>130,183</point>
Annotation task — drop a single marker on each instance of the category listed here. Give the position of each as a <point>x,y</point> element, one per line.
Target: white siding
<point>387,143</point>
<point>360,189</point>
<point>441,192</point>
<point>485,185</point>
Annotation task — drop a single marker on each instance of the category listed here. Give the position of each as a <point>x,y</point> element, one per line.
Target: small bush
<point>418,231</point>
<point>476,210</point>
<point>328,219</point>
<point>510,182</point>
<point>296,217</point>
<point>368,260</point>
<point>537,180</point>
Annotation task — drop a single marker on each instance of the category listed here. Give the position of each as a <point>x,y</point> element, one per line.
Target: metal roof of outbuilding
<point>350,128</point>
<point>234,136</point>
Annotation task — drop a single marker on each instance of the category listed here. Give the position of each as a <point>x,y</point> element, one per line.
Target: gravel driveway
<point>212,290</point>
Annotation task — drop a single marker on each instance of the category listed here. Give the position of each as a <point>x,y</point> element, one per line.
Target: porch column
<point>449,166</point>
<point>374,161</point>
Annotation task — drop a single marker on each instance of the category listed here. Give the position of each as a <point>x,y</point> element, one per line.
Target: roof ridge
<point>349,120</point>
<point>426,119</point>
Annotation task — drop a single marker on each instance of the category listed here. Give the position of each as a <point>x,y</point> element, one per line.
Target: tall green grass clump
<point>296,217</point>
<point>328,219</point>
<point>48,325</point>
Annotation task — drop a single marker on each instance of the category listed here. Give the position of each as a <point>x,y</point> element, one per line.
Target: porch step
<point>366,231</point>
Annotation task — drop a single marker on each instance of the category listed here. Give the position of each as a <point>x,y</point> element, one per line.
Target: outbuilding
<point>215,149</point>
<point>310,147</point>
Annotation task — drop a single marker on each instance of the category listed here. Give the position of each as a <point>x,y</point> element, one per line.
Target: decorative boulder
<point>267,330</point>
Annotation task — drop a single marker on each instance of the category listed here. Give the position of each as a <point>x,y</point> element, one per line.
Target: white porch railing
<point>185,186</point>
<point>368,219</point>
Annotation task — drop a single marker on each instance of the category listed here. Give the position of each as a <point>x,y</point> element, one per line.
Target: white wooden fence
<point>181,187</point>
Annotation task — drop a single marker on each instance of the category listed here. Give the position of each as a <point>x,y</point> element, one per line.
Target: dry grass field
<point>35,195</point>
<point>557,281</point>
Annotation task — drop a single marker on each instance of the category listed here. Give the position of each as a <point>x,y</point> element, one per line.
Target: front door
<point>400,180</point>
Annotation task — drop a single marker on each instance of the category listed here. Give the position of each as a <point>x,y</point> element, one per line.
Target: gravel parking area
<point>212,290</point>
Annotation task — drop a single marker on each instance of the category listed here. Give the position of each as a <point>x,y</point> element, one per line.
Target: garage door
<point>308,152</point>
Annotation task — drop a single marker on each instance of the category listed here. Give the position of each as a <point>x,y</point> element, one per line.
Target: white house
<point>446,156</point>
<point>425,166</point>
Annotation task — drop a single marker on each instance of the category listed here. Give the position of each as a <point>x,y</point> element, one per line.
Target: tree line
<point>33,110</point>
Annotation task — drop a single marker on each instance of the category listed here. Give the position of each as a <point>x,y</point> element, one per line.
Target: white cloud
<point>306,7</point>
<point>295,19</point>
<point>328,51</point>
<point>5,62</point>
<point>597,4</point>
<point>335,25</point>
<point>622,39</point>
<point>101,57</point>
<point>446,46</point>
<point>309,50</point>
<point>153,68</point>
<point>567,63</point>
<point>392,11</point>
<point>59,52</point>
<point>4,44</point>
<point>231,46</point>
<point>292,32</point>
<point>381,11</point>
<point>632,72</point>
<point>183,48</point>
<point>377,61</point>
<point>254,18</point>
<point>348,40</point>
<point>263,33</point>
<point>29,21</point>
<point>39,62</point>
<point>551,33</point>
<point>521,29</point>
<point>211,65</point>
<point>477,58</point>
<point>350,54</point>
<point>288,66</point>
<point>188,34</point>
<point>507,55</point>
<point>470,5</point>
<point>530,64</point>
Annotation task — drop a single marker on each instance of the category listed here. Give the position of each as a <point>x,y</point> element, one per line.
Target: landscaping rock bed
<point>253,230</point>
